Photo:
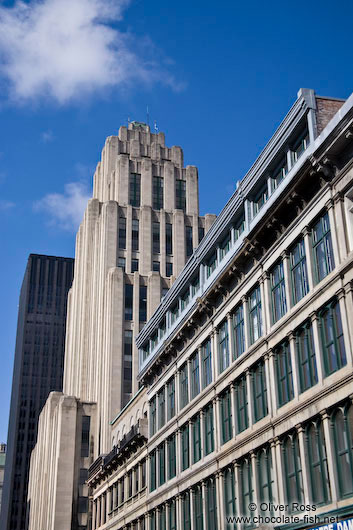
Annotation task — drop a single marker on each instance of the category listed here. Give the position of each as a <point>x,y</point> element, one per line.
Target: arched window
<point>317,460</point>
<point>292,469</point>
<point>332,338</point>
<point>342,423</point>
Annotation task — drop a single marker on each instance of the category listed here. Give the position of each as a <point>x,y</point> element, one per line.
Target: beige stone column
<point>109,496</point>
<point>273,388</point>
<point>191,452</point>
<point>304,466</point>
<point>349,305</point>
<point>274,470</point>
<point>178,451</point>
<point>265,303</point>
<point>146,182</point>
<point>94,514</point>
<point>204,504</point>
<point>254,465</point>
<point>341,225</point>
<point>178,511</point>
<point>214,349</point>
<point>233,408</point>
<point>167,508</point>
<point>295,375</point>
<point>177,391</point>
<point>237,487</point>
<point>202,433</point>
<point>158,511</point>
<point>217,423</point>
<point>330,454</point>
<point>169,187</point>
<point>220,497</point>
<point>279,471</point>
<point>309,257</point>
<point>230,338</point>
<point>246,322</point>
<point>199,353</point>
<point>192,509</point>
<point>287,279</point>
<point>317,346</point>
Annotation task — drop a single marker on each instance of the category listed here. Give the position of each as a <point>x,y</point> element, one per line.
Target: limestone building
<point>139,229</point>
<point>38,370</point>
<point>246,366</point>
<point>2,468</point>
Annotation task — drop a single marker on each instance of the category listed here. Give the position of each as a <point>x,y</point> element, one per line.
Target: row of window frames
<point>156,238</point>
<point>323,262</point>
<point>305,474</point>
<point>157,192</point>
<point>156,266</point>
<point>334,357</point>
<point>121,491</point>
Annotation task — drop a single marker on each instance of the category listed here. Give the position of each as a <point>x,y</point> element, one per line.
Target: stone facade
<point>247,364</point>
<point>139,229</point>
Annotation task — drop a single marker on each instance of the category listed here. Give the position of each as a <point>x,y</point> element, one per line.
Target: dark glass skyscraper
<point>38,369</point>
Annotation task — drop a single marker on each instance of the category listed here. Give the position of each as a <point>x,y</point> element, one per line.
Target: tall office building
<point>2,468</point>
<point>139,229</point>
<point>244,418</point>
<point>38,369</point>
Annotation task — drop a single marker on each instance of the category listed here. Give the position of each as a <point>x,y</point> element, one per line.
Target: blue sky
<point>218,78</point>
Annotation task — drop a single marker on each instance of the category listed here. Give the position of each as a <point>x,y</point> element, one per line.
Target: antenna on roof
<point>148,115</point>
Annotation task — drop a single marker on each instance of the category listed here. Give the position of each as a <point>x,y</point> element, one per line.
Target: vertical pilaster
<point>304,466</point>
<point>333,228</point>
<point>250,397</point>
<point>309,257</point>
<point>317,346</point>
<point>280,477</point>
<point>287,282</point>
<point>295,374</point>
<point>330,453</point>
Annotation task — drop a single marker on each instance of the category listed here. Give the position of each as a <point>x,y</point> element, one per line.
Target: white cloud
<point>47,136</point>
<point>65,49</point>
<point>65,209</point>
<point>6,205</point>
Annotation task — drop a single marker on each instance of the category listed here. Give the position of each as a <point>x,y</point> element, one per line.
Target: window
<point>279,173</point>
<point>299,146</point>
<point>334,352</point>
<point>122,232</point>
<point>135,189</point>
<point>299,272</point>
<point>128,301</point>
<point>161,454</point>
<point>306,357</point>
<point>292,470</point>
<point>317,459</point>
<point>230,498</point>
<point>185,505</point>
<point>127,366</point>
<point>169,239</point>
<point>278,292</point>
<point>284,374</point>
<point>342,422</point>
<point>156,266</point>
<point>174,313</point>
<point>143,474</point>
<point>155,237</point>
<point>184,383</point>
<point>265,474</point>
<point>206,359</point>
<point>143,303</point>
<point>86,424</point>
<point>184,301</point>
<point>135,234</point>
<point>246,483</point>
<point>226,417</point>
<point>259,389</point>
<point>198,509</point>
<point>208,429</point>
<point>162,518</point>
<point>239,227</point>
<point>168,269</point>
<point>157,193</point>
<point>134,265</point>
<point>153,471</point>
<point>185,462</point>
<point>180,194</point>
<point>196,439</point>
<point>172,515</point>
<point>238,332</point>
<point>260,199</point>
<point>121,263</point>
<point>195,285</point>
<point>161,408</point>
<point>188,240</point>
<point>153,416</point>
<point>153,521</point>
<point>211,500</point>
<point>82,505</point>
<point>129,482</point>
<point>224,246</point>
<point>255,319</point>
<point>322,248</point>
<point>201,233</point>
<point>223,346</point>
<point>195,375</point>
<point>241,396</point>
<point>171,457</point>
<point>170,399</point>
<point>211,264</point>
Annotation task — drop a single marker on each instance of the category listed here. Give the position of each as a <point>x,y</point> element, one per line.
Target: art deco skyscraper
<point>38,369</point>
<point>138,231</point>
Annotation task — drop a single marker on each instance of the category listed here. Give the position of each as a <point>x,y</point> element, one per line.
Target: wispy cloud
<point>65,209</point>
<point>66,49</point>
<point>6,205</point>
<point>47,136</point>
